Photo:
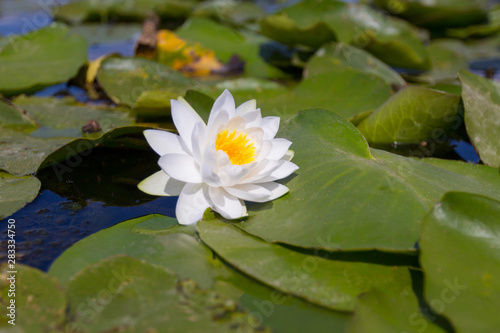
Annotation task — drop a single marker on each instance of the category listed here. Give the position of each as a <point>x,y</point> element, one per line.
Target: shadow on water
<point>77,201</point>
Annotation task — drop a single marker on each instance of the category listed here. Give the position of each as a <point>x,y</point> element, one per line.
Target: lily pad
<point>346,196</point>
<point>40,303</point>
<point>462,231</point>
<point>482,115</point>
<point>160,240</point>
<point>129,81</point>
<point>10,116</point>
<point>413,115</point>
<point>389,311</point>
<point>226,42</point>
<point>41,58</point>
<point>333,56</point>
<point>437,14</point>
<point>60,121</point>
<point>88,10</point>
<point>16,192</point>
<point>446,62</point>
<point>333,284</point>
<point>392,40</point>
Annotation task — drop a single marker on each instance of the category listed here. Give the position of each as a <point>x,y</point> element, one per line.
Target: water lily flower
<point>218,165</point>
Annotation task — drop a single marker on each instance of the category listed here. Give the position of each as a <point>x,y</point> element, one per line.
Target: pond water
<point>101,191</point>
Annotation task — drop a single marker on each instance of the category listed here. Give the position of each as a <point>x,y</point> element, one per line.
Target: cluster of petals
<point>233,158</point>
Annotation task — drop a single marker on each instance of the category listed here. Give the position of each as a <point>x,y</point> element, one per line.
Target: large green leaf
<point>345,196</point>
<point>482,115</point>
<point>333,56</point>
<point>392,40</point>
<point>40,304</point>
<point>459,254</point>
<point>13,117</point>
<point>123,285</point>
<point>89,10</point>
<point>412,115</point>
<point>60,121</point>
<point>132,80</point>
<point>178,252</point>
<point>161,241</point>
<point>390,311</point>
<point>446,62</point>
<point>438,14</point>
<point>226,42</point>
<point>334,284</point>
<point>41,58</point>
<point>16,192</point>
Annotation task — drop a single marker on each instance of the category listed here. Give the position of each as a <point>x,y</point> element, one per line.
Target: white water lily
<point>232,158</point>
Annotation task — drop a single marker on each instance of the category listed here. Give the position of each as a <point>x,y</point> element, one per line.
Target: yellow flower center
<point>236,145</point>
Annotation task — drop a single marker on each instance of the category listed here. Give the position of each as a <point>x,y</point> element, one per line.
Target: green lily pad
<point>122,285</point>
<point>413,115</point>
<point>482,115</point>
<point>392,40</point>
<point>346,196</point>
<point>88,10</point>
<point>226,42</point>
<point>60,121</point>
<point>459,254</point>
<point>40,303</point>
<point>389,311</point>
<point>301,24</point>
<point>16,192</point>
<point>129,81</point>
<point>10,116</point>
<point>160,240</point>
<point>333,56</point>
<point>41,58</point>
<point>480,30</point>
<point>333,284</point>
<point>446,62</point>
<point>437,14</point>
<point>177,252</point>
<point>238,13</point>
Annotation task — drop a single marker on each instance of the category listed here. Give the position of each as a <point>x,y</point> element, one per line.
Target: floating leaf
<point>388,311</point>
<point>413,115</point>
<point>40,304</point>
<point>459,254</point>
<point>334,284</point>
<point>41,58</point>
<point>346,197</point>
<point>446,62</point>
<point>333,56</point>
<point>126,80</point>
<point>482,115</point>
<point>89,10</point>
<point>16,192</point>
<point>10,116</point>
<point>392,40</point>
<point>437,14</point>
<point>61,121</point>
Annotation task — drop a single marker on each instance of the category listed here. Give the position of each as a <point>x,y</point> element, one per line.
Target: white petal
<point>258,192</point>
<point>270,126</point>
<point>280,148</point>
<point>198,141</point>
<point>209,176</point>
<point>253,118</point>
<point>260,170</point>
<point>185,119</point>
<point>230,174</point>
<point>164,142</point>
<point>216,124</point>
<point>160,183</point>
<point>250,192</point>
<point>180,167</point>
<point>263,150</point>
<point>224,102</point>
<point>248,106</point>
<point>192,204</point>
<point>226,204</point>
<point>284,170</point>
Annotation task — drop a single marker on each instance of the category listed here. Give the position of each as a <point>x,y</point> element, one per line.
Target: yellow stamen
<point>236,145</point>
